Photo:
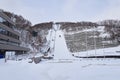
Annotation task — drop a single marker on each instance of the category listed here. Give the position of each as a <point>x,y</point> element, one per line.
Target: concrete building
<point>9,39</point>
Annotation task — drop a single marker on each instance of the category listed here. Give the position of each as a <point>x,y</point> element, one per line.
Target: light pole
<point>94,40</point>
<point>86,43</point>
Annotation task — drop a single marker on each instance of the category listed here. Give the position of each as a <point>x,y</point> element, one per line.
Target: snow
<point>103,35</point>
<point>84,70</point>
<point>51,38</point>
<point>99,52</point>
<point>99,29</point>
<point>61,50</point>
<point>78,69</point>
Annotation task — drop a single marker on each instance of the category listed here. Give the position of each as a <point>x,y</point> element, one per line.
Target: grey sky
<point>38,11</point>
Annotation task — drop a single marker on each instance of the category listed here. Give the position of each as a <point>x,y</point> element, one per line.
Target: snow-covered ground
<point>100,52</point>
<point>77,69</point>
<point>84,69</point>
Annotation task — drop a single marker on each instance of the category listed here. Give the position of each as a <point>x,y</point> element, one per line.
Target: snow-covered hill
<point>89,39</point>
<point>63,67</point>
<point>82,38</point>
<point>79,36</point>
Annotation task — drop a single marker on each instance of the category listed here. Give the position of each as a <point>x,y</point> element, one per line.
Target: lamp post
<point>94,40</point>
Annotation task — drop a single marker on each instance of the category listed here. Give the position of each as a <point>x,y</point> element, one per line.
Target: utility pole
<point>94,40</point>
<point>103,46</point>
<point>86,44</point>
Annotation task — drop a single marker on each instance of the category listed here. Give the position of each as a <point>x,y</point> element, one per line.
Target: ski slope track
<point>61,51</point>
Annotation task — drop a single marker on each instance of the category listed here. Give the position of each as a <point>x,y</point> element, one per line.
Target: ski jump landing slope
<point>61,50</point>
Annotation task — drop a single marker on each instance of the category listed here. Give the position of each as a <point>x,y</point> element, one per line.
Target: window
<point>13,35</point>
<point>2,41</point>
<point>7,33</point>
<point>3,21</point>
<point>3,31</point>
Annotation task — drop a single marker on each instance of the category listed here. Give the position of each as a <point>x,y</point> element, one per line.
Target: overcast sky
<point>38,11</point>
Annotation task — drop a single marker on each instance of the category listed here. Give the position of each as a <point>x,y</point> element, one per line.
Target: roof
<point>13,48</point>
